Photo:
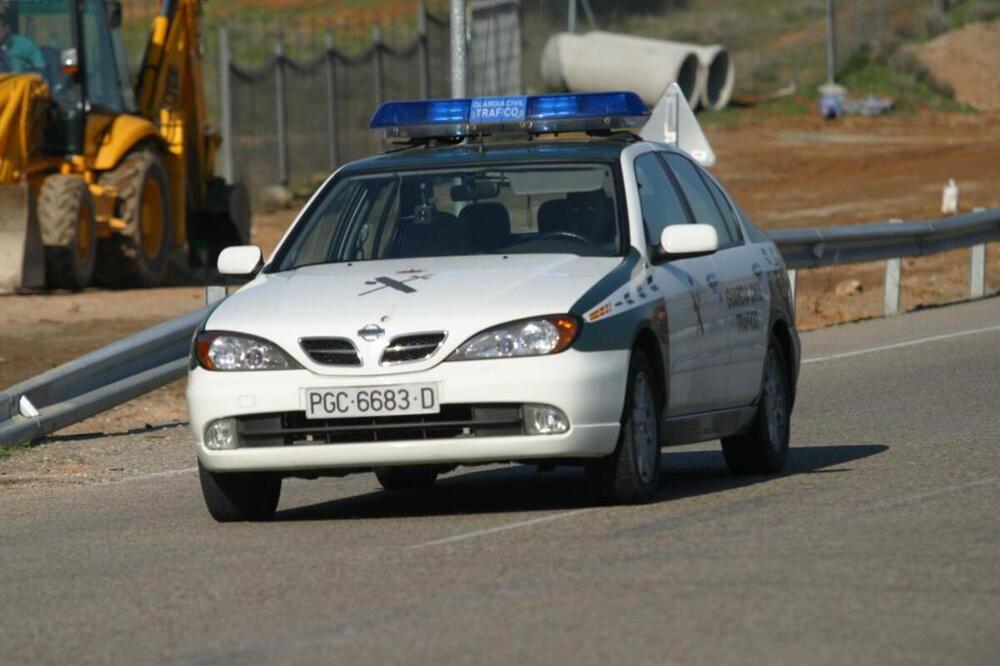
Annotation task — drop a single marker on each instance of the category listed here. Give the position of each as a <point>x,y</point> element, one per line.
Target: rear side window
<point>661,206</point>
<point>728,214</point>
<point>699,198</point>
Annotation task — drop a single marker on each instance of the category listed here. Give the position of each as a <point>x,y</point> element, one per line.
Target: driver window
<point>661,206</point>
<point>99,64</point>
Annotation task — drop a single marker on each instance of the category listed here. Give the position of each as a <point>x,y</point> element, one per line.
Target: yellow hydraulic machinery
<point>102,181</point>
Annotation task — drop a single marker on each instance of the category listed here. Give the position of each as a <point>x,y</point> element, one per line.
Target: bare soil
<point>786,172</point>
<point>965,61</point>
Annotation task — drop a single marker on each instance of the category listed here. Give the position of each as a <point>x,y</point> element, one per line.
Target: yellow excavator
<point>102,181</point>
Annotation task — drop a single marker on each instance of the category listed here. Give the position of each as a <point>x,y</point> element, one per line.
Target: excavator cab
<point>85,76</point>
<point>99,180</point>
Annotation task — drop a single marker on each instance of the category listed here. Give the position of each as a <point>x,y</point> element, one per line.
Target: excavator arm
<point>170,93</point>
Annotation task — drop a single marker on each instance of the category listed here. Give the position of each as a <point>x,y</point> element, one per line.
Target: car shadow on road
<point>524,488</point>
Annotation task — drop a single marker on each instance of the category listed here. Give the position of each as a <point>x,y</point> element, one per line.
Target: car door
<point>738,282</point>
<point>711,305</point>
<point>693,380</point>
<point>743,272</point>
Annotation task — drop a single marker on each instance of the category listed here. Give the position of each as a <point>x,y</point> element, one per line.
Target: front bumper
<point>588,386</point>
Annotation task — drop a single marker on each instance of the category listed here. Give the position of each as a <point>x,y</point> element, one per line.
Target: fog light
<point>221,435</point>
<point>544,420</point>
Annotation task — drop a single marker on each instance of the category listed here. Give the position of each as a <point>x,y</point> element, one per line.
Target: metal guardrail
<point>157,356</point>
<point>827,246</point>
<point>97,381</point>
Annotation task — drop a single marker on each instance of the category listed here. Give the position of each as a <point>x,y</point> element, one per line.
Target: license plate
<point>397,400</point>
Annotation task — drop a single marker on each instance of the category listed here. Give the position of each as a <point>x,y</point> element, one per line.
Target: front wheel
<point>238,496</point>
<point>69,232</point>
<point>764,448</point>
<point>631,474</point>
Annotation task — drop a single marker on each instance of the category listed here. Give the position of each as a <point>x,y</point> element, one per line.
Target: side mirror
<point>682,241</point>
<point>240,260</point>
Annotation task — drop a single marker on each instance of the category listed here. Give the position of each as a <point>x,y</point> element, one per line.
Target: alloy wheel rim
<point>644,428</point>
<point>774,402</point>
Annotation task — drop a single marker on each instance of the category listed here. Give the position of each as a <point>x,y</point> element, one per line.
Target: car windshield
<point>542,208</point>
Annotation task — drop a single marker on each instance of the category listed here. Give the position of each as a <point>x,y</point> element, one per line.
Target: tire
<point>763,449</point>
<point>69,232</point>
<point>136,256</point>
<point>631,474</point>
<point>410,477</point>
<point>240,496</point>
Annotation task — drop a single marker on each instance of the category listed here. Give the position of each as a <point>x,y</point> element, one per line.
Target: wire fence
<point>292,121</point>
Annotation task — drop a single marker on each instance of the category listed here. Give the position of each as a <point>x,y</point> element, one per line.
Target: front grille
<point>453,421</point>
<point>413,347</point>
<point>331,351</point>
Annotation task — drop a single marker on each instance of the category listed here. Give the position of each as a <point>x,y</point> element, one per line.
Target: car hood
<point>457,295</point>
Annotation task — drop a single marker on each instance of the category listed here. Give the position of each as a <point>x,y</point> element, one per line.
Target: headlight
<point>528,337</point>
<point>216,350</point>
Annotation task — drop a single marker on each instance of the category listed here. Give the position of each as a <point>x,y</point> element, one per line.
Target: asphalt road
<point>881,544</point>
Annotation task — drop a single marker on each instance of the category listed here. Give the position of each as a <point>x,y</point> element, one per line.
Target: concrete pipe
<point>599,61</point>
<point>719,74</point>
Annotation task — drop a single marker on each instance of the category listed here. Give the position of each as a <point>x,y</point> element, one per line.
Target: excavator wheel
<point>69,232</point>
<point>136,256</point>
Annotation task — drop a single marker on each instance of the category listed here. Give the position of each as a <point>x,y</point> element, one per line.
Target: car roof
<point>470,153</point>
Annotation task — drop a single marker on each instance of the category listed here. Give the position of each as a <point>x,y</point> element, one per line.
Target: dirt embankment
<point>965,62</point>
<point>790,172</point>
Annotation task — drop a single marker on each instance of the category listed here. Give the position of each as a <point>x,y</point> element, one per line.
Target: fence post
<point>892,275</point>
<point>831,41</point>
<point>377,61</point>
<point>331,100</point>
<point>458,50</point>
<point>226,108</point>
<point>282,120</point>
<point>977,268</point>
<point>423,52</point>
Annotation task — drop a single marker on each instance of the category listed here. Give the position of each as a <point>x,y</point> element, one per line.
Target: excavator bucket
<point>22,256</point>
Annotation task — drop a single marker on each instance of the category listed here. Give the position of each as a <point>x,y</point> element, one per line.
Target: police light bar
<point>534,114</point>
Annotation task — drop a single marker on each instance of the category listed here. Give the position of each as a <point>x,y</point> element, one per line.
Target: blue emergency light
<point>534,114</point>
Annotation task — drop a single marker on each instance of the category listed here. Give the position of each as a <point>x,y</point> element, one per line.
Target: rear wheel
<point>631,474</point>
<point>69,232</point>
<point>410,477</point>
<point>136,255</point>
<point>764,448</point>
<point>239,496</point>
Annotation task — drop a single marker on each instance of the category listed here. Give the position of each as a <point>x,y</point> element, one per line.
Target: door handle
<point>712,280</point>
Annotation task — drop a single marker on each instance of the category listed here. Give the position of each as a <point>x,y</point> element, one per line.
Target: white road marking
<point>899,345</point>
<point>501,528</point>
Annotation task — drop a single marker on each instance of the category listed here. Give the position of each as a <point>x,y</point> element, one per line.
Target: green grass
<point>863,77</point>
<point>13,449</point>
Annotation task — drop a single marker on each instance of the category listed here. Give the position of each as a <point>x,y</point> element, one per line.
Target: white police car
<point>467,301</point>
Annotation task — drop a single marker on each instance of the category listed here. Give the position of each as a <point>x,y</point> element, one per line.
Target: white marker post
<point>892,278</point>
<point>977,268</point>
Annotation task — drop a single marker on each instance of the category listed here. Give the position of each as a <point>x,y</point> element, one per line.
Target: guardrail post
<point>281,117</point>
<point>331,101</point>
<point>892,275</point>
<point>215,292</point>
<point>977,268</point>
<point>226,108</point>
